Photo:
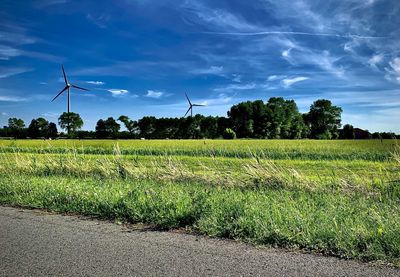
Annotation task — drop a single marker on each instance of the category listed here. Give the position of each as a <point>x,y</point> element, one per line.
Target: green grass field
<point>339,198</point>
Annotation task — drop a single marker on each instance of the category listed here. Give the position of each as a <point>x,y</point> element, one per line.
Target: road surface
<point>37,243</point>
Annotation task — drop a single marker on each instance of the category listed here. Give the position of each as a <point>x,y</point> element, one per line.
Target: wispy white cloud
<point>286,53</point>
<point>50,115</point>
<point>7,52</point>
<point>394,70</point>
<point>375,60</point>
<point>100,21</point>
<point>12,36</point>
<point>42,56</point>
<point>235,87</point>
<point>221,19</point>
<point>221,99</point>
<point>11,71</point>
<point>237,78</point>
<point>155,94</point>
<point>265,33</point>
<point>275,77</point>
<point>322,59</point>
<point>10,98</point>
<point>290,81</point>
<point>15,35</point>
<point>118,92</point>
<point>212,70</point>
<point>97,83</point>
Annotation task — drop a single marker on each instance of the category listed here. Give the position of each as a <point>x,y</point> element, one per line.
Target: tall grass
<point>371,150</point>
<point>256,172</point>
<point>345,225</point>
<point>347,208</point>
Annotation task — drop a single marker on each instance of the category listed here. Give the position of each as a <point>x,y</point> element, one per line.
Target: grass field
<point>340,198</point>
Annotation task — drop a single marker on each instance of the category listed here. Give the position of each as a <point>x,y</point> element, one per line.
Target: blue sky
<point>139,57</point>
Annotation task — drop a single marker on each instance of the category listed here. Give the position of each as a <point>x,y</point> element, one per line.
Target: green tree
<point>52,130</point>
<point>241,116</point>
<point>223,123</point>
<point>229,134</point>
<point>130,125</point>
<point>16,127</point>
<point>209,127</point>
<point>298,128</point>
<point>108,128</point>
<point>348,132</point>
<point>70,122</point>
<point>101,130</point>
<point>112,127</point>
<point>324,119</point>
<point>260,119</point>
<point>147,126</point>
<point>16,123</point>
<point>276,116</point>
<point>38,128</point>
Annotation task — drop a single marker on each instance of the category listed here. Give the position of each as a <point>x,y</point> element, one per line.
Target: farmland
<point>339,198</point>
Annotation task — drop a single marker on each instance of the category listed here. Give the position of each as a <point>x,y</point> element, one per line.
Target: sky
<point>139,57</point>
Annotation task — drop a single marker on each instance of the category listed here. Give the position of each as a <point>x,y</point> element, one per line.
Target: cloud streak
<point>212,70</point>
<point>97,83</point>
<point>10,98</point>
<point>118,92</point>
<point>154,94</point>
<point>11,71</point>
<point>267,33</point>
<point>289,82</point>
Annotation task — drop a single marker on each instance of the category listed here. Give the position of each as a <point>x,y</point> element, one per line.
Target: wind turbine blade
<point>60,93</point>
<point>65,76</point>
<point>190,103</point>
<point>79,87</point>
<point>198,105</point>
<point>187,111</point>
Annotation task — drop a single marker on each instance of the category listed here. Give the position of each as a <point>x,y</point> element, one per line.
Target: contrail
<point>289,33</point>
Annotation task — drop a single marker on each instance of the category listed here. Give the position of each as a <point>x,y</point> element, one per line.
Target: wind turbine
<point>68,87</point>
<point>191,106</point>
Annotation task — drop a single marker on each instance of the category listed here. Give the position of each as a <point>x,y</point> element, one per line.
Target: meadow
<point>339,198</point>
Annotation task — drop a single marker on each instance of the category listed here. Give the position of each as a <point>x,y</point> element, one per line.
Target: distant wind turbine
<point>68,87</point>
<point>191,106</point>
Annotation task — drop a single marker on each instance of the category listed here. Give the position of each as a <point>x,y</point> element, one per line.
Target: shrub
<point>229,134</point>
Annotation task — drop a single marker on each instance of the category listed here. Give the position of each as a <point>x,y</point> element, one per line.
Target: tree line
<point>276,119</point>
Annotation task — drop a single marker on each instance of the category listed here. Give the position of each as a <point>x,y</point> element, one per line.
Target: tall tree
<point>52,130</point>
<point>130,125</point>
<point>241,118</point>
<point>33,129</point>
<point>112,127</point>
<point>259,116</point>
<point>70,122</point>
<point>348,132</point>
<point>101,130</point>
<point>16,127</point>
<point>324,119</point>
<point>38,128</point>
<point>108,128</point>
<point>147,126</point>
<point>276,117</point>
<point>16,123</point>
<point>209,127</point>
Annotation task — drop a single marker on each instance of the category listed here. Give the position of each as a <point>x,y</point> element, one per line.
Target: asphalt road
<point>36,243</point>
